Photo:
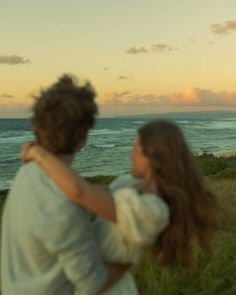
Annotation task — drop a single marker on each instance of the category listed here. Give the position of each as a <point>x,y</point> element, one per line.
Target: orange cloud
<point>225,28</point>
<point>6,95</point>
<point>189,97</point>
<point>115,97</point>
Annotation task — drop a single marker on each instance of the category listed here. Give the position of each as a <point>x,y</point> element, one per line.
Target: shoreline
<point>225,154</point>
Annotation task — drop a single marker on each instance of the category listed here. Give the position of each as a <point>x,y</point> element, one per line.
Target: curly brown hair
<point>63,114</point>
<point>193,208</point>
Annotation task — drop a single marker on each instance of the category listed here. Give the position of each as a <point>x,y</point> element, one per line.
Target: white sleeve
<point>123,181</point>
<point>140,218</point>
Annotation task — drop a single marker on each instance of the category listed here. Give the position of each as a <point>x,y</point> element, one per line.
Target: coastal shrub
<point>3,195</point>
<point>212,166</point>
<point>205,156</point>
<point>101,179</point>
<point>228,173</point>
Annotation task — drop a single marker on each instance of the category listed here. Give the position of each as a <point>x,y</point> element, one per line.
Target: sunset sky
<point>141,56</point>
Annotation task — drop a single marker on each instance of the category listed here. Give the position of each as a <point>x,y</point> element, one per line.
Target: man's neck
<point>67,159</point>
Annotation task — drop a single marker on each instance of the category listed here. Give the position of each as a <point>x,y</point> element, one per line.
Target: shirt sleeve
<point>68,235</point>
<point>140,218</point>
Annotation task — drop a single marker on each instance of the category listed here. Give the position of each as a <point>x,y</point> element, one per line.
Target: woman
<point>164,204</point>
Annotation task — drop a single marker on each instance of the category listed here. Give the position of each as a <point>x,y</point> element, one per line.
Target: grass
<point>212,275</point>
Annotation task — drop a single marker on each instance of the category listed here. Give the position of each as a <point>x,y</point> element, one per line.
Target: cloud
<point>115,97</point>
<point>162,47</point>
<point>137,50</point>
<point>194,97</point>
<point>223,29</point>
<point>122,77</point>
<point>155,47</point>
<point>6,95</point>
<point>13,59</point>
<point>193,40</point>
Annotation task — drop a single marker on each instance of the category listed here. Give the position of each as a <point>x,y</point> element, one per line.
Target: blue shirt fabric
<point>48,247</point>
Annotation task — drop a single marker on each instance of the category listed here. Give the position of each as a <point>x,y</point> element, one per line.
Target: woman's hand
<point>29,151</point>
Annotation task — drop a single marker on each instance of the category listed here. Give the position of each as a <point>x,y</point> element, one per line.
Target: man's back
<point>47,245</point>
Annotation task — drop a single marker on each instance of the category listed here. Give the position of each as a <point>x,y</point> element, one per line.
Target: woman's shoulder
<point>142,203</point>
<point>140,217</point>
<point>124,190</point>
<point>126,180</point>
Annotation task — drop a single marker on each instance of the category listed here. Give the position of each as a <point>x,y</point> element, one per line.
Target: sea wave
<point>103,132</point>
<point>103,145</point>
<point>220,125</point>
<point>17,138</point>
<point>110,131</point>
<point>138,122</point>
<point>5,184</point>
<point>183,122</point>
<point>6,161</point>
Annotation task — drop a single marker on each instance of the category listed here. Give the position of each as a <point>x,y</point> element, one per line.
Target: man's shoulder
<point>34,188</point>
<point>30,170</point>
<point>35,182</point>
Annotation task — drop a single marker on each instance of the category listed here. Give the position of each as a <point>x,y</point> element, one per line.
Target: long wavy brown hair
<point>193,208</point>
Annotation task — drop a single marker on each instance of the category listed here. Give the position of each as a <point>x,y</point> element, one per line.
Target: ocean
<point>109,144</point>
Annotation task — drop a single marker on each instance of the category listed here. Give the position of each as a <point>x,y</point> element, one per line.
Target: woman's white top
<point>140,219</point>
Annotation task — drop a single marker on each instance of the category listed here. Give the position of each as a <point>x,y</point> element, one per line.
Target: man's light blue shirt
<point>47,243</point>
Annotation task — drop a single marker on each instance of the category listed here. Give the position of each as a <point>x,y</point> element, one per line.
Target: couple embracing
<point>49,244</point>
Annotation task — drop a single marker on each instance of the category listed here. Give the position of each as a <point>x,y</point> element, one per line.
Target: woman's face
<point>140,163</point>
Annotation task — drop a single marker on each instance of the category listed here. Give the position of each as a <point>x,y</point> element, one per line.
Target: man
<point>47,243</point>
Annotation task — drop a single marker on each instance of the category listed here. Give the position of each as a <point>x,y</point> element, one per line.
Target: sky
<point>141,56</point>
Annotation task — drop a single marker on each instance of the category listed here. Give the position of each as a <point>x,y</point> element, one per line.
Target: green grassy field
<point>212,275</point>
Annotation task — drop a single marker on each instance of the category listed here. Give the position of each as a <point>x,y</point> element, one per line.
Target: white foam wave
<point>183,121</point>
<point>103,132</point>
<point>138,122</point>
<point>220,125</point>
<point>104,145</point>
<point>5,184</point>
<point>109,131</point>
